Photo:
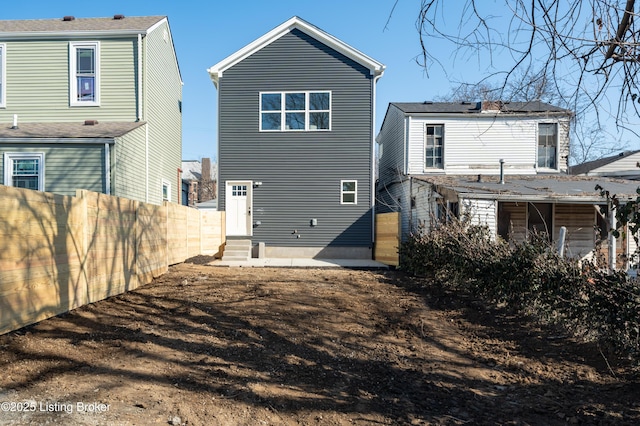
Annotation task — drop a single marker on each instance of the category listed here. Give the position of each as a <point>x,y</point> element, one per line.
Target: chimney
<point>68,18</point>
<point>118,17</point>
<point>491,106</point>
<point>206,169</point>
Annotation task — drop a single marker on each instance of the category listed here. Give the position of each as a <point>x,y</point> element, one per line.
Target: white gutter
<point>107,169</point>
<point>146,131</point>
<point>69,34</point>
<point>139,112</point>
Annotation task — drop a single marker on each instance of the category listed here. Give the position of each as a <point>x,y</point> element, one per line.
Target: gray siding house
<point>295,140</point>
<point>91,103</point>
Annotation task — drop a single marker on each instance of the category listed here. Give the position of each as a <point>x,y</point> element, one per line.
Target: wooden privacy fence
<point>58,252</point>
<point>387,238</point>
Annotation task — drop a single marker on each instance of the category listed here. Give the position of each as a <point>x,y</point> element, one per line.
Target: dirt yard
<point>238,346</point>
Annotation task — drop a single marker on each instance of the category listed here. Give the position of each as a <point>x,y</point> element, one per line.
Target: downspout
<point>142,117</point>
<point>373,161</point>
<point>612,238</point>
<point>410,207</point>
<point>179,187</point>
<point>107,169</point>
<point>139,112</point>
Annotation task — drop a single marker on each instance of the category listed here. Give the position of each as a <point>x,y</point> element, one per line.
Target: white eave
<point>376,68</point>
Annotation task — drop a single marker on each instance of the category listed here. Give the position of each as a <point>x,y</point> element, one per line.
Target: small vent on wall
<point>69,18</point>
<point>90,122</point>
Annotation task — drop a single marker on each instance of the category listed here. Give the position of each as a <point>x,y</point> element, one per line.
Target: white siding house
<point>623,165</point>
<point>504,165</point>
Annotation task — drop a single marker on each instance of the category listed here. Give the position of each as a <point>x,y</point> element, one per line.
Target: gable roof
<point>79,27</point>
<point>376,68</point>
<point>478,107</point>
<point>586,167</point>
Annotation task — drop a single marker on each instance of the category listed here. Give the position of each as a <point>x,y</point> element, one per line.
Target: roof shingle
<point>138,24</point>
<point>67,130</point>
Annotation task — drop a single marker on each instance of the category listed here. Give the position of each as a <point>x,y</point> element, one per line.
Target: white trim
<point>139,70</point>
<point>283,111</point>
<point>107,169</point>
<point>424,148</point>
<point>8,166</point>
<point>166,183</point>
<point>216,71</point>
<point>229,217</point>
<point>156,25</point>
<point>74,35</point>
<point>73,86</point>
<point>3,75</point>
<point>342,192</point>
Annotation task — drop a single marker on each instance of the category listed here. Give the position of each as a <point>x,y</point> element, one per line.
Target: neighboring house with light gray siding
<point>295,138</point>
<point>91,103</point>
<point>625,165</point>
<point>499,165</point>
<point>463,139</point>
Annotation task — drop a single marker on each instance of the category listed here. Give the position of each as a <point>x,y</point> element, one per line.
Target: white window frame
<point>343,192</point>
<point>166,183</point>
<point>73,82</point>
<point>3,75</point>
<point>557,159</point>
<point>9,157</point>
<point>283,111</point>
<point>427,125</point>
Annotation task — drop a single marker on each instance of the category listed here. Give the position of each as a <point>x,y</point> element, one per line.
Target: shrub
<point>530,276</point>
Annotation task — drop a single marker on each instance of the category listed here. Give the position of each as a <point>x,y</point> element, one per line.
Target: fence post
<point>561,239</point>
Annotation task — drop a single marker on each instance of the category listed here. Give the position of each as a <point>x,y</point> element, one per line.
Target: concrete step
<point>237,250</point>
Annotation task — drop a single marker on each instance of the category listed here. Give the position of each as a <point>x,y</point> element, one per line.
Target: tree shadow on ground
<point>352,342</point>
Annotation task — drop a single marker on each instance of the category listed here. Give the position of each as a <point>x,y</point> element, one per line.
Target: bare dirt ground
<point>235,346</point>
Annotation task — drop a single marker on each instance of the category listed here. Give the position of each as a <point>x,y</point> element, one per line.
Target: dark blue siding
<point>300,171</point>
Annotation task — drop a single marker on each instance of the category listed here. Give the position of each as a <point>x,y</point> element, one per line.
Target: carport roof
<point>545,188</point>
<point>79,130</point>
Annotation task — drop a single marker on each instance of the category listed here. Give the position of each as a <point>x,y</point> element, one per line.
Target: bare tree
<point>585,53</point>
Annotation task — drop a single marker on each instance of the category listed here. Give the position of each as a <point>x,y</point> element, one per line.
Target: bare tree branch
<point>584,54</point>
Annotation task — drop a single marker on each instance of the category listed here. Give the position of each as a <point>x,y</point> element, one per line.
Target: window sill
<point>84,104</point>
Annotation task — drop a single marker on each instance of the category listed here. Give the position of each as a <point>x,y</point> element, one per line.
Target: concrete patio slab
<point>302,263</point>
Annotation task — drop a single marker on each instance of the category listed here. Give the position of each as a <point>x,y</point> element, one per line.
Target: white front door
<point>238,201</point>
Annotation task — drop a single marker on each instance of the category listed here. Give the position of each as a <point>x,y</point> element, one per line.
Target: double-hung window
<point>547,145</point>
<point>434,146</point>
<point>348,192</point>
<point>84,71</point>
<point>166,190</point>
<point>3,80</point>
<point>24,170</point>
<point>295,111</point>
